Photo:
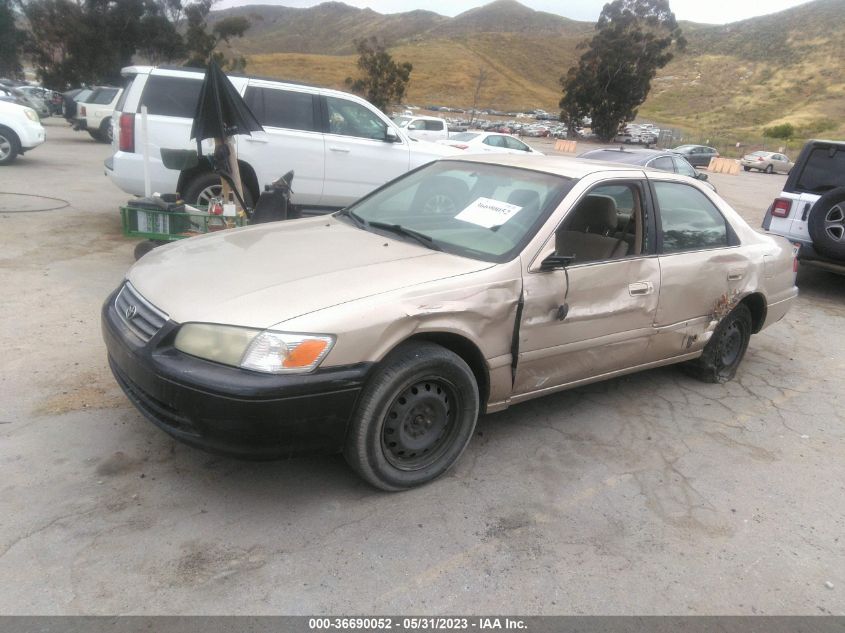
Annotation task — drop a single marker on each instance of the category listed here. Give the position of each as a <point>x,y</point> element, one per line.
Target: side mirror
<point>390,136</point>
<point>556,262</point>
<point>701,176</point>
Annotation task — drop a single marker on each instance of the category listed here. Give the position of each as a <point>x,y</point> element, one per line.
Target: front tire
<point>414,419</point>
<point>9,146</point>
<point>746,168</point>
<point>725,349</point>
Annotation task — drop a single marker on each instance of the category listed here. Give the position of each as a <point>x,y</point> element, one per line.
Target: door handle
<point>342,150</point>
<point>735,275</point>
<point>640,288</point>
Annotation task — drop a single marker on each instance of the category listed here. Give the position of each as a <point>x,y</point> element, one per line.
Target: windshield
<point>401,121</point>
<point>486,212</point>
<point>463,136</point>
<point>83,95</point>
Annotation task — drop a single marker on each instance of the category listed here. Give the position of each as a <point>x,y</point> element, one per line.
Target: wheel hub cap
<point>834,223</point>
<point>418,424</point>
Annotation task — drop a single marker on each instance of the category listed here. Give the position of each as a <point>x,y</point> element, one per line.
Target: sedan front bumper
<point>226,409</point>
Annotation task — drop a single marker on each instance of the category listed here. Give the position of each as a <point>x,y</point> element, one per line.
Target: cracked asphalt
<point>649,494</point>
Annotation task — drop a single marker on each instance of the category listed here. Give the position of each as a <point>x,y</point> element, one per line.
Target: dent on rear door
<point>695,293</point>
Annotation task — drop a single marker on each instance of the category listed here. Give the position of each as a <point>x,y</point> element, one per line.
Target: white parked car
<point>95,113</point>
<point>424,128</point>
<point>489,142</point>
<point>340,146</point>
<point>20,131</point>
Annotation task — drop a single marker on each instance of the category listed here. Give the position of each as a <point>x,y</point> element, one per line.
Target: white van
<point>424,128</point>
<point>340,146</point>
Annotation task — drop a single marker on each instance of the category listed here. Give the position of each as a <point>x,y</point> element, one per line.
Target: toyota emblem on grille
<point>130,312</point>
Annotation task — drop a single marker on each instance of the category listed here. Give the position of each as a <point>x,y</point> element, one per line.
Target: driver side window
<point>608,223</point>
<point>348,118</point>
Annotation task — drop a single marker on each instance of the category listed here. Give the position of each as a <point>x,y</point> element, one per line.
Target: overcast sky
<point>708,11</point>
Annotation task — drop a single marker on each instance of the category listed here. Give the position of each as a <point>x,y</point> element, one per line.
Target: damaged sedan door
<point>703,270</point>
<point>591,294</point>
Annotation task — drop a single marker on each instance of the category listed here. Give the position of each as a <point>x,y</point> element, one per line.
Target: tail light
<point>460,146</point>
<point>127,132</point>
<point>796,248</point>
<point>760,159</point>
<point>781,207</point>
<point>83,112</point>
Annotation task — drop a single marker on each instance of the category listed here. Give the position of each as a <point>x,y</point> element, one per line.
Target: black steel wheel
<point>415,417</point>
<point>725,349</point>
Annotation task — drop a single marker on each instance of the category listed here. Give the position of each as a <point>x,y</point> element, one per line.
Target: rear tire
<point>10,146</point>
<point>769,169</point>
<point>415,417</point>
<point>206,185</point>
<point>725,349</point>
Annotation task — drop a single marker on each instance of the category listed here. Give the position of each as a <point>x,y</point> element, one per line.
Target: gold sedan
<point>461,288</point>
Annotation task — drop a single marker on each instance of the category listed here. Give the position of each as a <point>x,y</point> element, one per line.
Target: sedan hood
<point>263,275</point>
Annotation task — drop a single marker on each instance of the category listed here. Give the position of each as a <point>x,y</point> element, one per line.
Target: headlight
<point>31,114</point>
<point>266,351</point>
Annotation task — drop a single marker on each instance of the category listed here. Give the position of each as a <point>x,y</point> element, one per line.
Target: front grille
<point>141,317</point>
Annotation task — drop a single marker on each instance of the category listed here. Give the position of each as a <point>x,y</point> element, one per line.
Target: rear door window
<point>103,96</point>
<point>282,108</point>
<point>171,96</point>
<point>664,163</point>
<point>688,220</point>
<point>434,126</point>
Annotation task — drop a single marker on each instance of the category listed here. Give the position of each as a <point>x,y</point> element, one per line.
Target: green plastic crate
<point>165,226</point>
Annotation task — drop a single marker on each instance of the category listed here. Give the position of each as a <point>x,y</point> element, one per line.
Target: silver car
<point>768,162</point>
<point>384,330</point>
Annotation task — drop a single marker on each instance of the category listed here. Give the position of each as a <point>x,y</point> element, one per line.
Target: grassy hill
<point>732,81</point>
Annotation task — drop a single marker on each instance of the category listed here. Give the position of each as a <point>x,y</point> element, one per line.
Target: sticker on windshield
<point>488,213</point>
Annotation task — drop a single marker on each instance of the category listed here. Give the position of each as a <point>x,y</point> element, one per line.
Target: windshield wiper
<point>355,218</point>
<point>422,238</point>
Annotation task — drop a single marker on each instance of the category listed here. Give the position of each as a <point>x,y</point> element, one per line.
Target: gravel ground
<point>649,494</point>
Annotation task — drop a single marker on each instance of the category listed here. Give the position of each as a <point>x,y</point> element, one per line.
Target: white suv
<point>810,211</point>
<point>20,131</point>
<point>95,113</point>
<point>339,146</point>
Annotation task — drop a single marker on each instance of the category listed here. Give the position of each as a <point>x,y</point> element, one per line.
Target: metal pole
<point>145,150</point>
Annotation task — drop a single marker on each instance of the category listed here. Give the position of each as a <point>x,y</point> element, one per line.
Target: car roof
<point>630,156</point>
<point>567,166</point>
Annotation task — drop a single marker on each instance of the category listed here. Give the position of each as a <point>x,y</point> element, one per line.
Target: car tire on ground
<point>9,146</point>
<point>444,196</point>
<point>826,224</point>
<point>770,169</point>
<point>725,349</point>
<point>206,185</point>
<point>105,133</point>
<point>95,134</point>
<point>142,248</point>
<point>746,168</point>
<point>415,417</point>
